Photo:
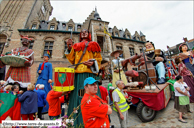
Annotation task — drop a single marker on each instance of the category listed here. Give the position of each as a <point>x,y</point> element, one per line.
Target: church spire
<point>96,15</point>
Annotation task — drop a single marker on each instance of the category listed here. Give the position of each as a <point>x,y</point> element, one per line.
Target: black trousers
<point>40,112</point>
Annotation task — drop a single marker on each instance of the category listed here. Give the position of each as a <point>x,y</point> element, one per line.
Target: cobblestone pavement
<point>165,118</point>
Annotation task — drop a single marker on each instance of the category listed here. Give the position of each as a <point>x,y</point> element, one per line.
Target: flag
<point>106,32</point>
<point>9,106</point>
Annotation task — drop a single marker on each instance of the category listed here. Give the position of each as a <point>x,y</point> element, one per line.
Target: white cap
<point>41,85</point>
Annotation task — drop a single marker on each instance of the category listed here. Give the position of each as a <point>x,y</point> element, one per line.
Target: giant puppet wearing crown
<point>20,59</point>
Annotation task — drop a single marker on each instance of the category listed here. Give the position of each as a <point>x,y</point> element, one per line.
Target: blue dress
<point>43,78</point>
<point>189,65</point>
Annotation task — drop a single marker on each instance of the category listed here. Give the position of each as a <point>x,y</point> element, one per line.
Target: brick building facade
<point>32,20</point>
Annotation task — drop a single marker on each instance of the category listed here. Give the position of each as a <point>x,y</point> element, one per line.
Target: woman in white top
<point>181,98</point>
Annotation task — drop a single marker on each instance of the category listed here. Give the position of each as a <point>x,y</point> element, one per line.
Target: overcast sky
<point>163,22</point>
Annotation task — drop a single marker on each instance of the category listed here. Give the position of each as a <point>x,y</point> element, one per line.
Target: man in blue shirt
<point>41,100</point>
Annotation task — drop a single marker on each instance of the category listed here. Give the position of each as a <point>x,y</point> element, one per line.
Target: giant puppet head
<point>25,40</point>
<point>149,46</point>
<point>183,47</point>
<point>85,35</point>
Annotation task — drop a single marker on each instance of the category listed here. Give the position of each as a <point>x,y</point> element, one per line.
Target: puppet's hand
<point>159,59</point>
<point>27,64</point>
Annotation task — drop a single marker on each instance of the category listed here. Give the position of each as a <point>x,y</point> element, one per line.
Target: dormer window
<point>109,29</point>
<point>116,34</point>
<point>137,38</point>
<point>34,26</point>
<point>70,28</point>
<point>63,24</point>
<point>79,26</point>
<point>52,27</point>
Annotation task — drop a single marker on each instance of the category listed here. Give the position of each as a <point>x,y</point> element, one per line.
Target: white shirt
<point>115,95</point>
<point>181,86</point>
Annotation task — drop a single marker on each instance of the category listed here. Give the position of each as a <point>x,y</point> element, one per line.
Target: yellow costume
<point>116,75</point>
<point>92,52</point>
<point>81,73</point>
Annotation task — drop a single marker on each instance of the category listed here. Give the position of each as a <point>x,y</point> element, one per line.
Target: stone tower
<point>18,14</point>
<point>96,27</point>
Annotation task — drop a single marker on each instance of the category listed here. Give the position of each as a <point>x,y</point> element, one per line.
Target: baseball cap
<point>89,80</point>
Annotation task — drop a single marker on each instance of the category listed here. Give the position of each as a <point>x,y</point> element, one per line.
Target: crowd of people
<point>97,100</point>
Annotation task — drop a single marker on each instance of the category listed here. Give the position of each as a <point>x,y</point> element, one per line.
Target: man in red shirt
<point>53,99</point>
<point>95,111</point>
<point>103,92</point>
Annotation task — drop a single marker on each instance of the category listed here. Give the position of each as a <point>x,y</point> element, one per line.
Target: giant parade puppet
<point>157,57</point>
<point>20,60</point>
<point>118,64</point>
<point>45,76</point>
<point>86,57</point>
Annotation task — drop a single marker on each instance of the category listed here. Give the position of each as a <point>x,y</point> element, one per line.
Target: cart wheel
<point>144,113</point>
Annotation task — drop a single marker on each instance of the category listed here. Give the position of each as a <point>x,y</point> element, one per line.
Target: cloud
<point>163,22</point>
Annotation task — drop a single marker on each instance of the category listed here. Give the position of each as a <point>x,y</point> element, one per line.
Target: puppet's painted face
<point>184,48</point>
<point>25,42</point>
<point>45,58</point>
<point>84,34</point>
<point>116,54</point>
<point>149,46</point>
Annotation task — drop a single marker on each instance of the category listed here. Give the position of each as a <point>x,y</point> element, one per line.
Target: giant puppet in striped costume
<point>21,75</point>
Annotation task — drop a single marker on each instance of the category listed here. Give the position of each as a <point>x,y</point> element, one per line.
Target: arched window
<point>131,50</point>
<point>3,39</point>
<point>116,34</point>
<point>120,48</point>
<point>140,50</point>
<point>34,26</point>
<point>128,36</point>
<point>48,48</point>
<point>31,44</point>
<point>70,28</point>
<point>52,27</point>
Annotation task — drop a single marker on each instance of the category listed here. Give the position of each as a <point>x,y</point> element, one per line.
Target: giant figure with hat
<point>118,64</point>
<point>21,75</point>
<point>85,55</point>
<point>45,76</point>
<point>117,68</point>
<point>158,59</point>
